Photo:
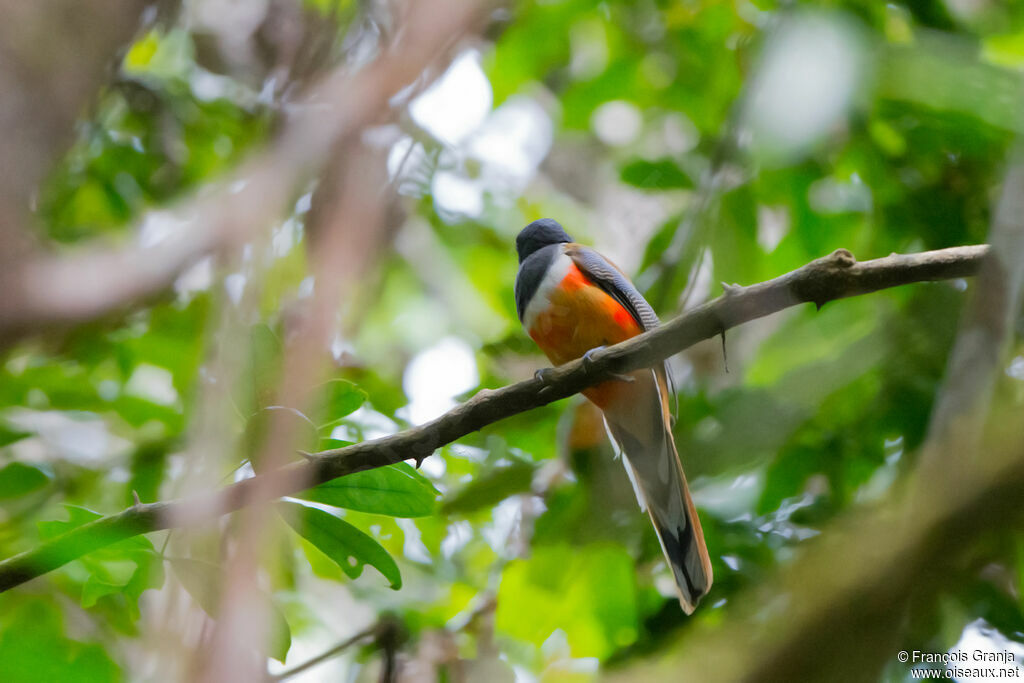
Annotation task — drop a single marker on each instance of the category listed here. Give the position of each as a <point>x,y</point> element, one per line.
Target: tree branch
<point>826,279</point>
<point>54,56</point>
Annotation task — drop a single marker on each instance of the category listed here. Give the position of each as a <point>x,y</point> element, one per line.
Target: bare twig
<point>371,632</point>
<point>389,638</point>
<point>832,277</point>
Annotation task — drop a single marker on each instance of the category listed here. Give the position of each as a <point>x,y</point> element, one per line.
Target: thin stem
<point>324,656</point>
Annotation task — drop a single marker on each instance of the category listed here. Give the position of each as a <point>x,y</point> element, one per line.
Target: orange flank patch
<point>581,316</point>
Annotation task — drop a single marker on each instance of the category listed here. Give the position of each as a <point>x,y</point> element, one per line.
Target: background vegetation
<point>695,143</point>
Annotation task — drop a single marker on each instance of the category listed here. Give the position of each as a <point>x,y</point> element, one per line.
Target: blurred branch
<point>344,229</point>
<point>962,405</point>
<point>826,279</point>
<point>389,638</point>
<point>54,55</point>
<point>48,290</point>
<point>346,218</point>
<point>835,612</point>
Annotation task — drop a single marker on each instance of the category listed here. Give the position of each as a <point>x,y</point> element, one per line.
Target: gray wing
<point>614,283</point>
<point>612,280</point>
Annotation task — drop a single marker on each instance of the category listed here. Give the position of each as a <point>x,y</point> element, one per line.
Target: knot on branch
<point>826,278</point>
<point>843,258</point>
<point>482,396</point>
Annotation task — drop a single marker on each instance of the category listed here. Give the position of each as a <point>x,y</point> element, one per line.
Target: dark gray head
<point>539,234</point>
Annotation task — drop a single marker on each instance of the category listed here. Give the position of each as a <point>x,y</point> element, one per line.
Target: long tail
<point>638,420</point>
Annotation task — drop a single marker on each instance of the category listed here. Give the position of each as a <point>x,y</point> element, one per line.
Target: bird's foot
<point>588,363</point>
<point>544,376</point>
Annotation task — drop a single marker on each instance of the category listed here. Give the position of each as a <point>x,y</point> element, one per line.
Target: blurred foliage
<point>819,413</point>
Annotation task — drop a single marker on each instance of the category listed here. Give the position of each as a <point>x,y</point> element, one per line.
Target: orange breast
<point>581,316</point>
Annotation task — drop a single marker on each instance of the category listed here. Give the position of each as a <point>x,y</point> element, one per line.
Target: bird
<point>571,301</point>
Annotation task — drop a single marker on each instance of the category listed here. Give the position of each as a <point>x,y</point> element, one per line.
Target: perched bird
<point>572,300</point>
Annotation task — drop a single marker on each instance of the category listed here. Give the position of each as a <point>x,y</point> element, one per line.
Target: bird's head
<point>539,234</point>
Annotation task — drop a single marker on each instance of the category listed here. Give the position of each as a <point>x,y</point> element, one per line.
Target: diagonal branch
<point>826,279</point>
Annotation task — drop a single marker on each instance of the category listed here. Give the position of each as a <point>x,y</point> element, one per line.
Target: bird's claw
<point>588,363</point>
<point>588,357</point>
<point>544,377</point>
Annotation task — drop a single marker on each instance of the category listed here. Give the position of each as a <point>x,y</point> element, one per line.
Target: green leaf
<point>349,547</point>
<point>17,479</point>
<point>490,488</point>
<point>148,466</point>
<point>202,580</point>
<point>734,246</point>
<point>589,593</point>
<point>77,516</point>
<point>338,398</point>
<point>138,411</point>
<point>660,240</point>
<point>663,174</point>
<point>328,444</point>
<point>280,634</point>
<point>34,647</point>
<point>150,574</point>
<point>397,490</point>
<point>95,588</point>
<point>9,436</point>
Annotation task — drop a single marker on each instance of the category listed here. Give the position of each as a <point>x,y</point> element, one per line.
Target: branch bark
<point>826,279</point>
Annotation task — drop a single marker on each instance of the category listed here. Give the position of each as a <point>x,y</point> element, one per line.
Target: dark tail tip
<point>688,557</point>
